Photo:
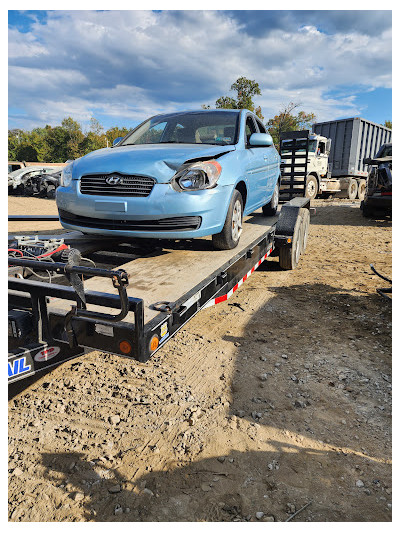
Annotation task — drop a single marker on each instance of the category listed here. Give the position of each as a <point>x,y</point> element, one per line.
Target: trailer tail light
<point>125,347</point>
<point>386,193</point>
<point>154,343</point>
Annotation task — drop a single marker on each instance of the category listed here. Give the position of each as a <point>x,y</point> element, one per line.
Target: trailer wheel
<point>361,189</point>
<point>289,255</point>
<point>229,237</point>
<point>305,226</point>
<point>311,187</point>
<point>271,207</point>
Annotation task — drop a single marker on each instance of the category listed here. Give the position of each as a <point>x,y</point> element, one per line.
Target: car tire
<point>367,211</point>
<point>51,192</point>
<point>311,187</point>
<point>229,237</point>
<point>270,209</point>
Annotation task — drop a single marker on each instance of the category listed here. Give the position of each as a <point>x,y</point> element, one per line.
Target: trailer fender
<point>292,232</point>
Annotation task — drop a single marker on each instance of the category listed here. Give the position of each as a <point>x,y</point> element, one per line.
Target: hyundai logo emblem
<point>113,180</point>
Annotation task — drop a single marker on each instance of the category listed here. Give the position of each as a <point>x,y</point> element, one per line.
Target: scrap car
<point>378,197</point>
<point>175,176</point>
<point>21,181</point>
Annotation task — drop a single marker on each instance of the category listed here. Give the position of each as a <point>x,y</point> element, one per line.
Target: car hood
<point>158,161</point>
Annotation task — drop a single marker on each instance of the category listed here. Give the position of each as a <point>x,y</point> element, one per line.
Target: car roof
<point>197,111</point>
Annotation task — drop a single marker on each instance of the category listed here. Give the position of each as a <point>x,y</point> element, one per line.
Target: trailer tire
<point>305,226</point>
<point>229,237</point>
<point>270,209</point>
<point>361,189</point>
<point>289,255</point>
<point>311,187</point>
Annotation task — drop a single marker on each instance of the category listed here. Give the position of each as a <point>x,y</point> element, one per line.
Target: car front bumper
<point>164,214</point>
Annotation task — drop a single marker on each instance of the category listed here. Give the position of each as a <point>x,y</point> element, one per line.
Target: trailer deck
<point>161,285</point>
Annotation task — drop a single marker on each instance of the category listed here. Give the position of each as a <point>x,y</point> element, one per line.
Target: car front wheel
<point>229,237</point>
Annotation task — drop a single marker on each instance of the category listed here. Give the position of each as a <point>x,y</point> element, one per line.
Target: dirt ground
<point>278,398</point>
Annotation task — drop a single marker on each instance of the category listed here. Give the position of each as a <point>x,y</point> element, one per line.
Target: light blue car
<point>176,176</point>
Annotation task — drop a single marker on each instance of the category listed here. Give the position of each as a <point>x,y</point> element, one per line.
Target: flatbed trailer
<point>160,286</point>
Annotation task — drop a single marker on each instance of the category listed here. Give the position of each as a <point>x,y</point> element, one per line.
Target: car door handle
<point>265,157</point>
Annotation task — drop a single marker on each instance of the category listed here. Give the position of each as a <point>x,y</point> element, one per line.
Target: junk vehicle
<point>378,196</point>
<point>20,181</point>
<point>46,184</point>
<point>176,176</point>
<point>60,303</point>
<point>335,157</point>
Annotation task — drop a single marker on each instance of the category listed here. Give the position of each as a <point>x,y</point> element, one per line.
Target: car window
<point>207,127</point>
<point>250,128</point>
<point>153,133</point>
<point>261,126</point>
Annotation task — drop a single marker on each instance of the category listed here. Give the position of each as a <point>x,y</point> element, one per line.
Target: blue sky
<point>123,66</point>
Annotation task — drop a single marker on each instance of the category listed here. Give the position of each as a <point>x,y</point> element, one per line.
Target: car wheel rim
<point>275,197</point>
<point>311,188</point>
<point>237,220</point>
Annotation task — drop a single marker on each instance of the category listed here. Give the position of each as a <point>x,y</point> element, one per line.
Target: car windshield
<point>17,172</point>
<point>218,127</point>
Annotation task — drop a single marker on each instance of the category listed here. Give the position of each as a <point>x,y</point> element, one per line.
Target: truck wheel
<point>51,192</point>
<point>289,255</point>
<point>305,226</point>
<point>352,190</point>
<point>271,207</point>
<point>311,187</point>
<point>230,234</point>
<point>361,189</point>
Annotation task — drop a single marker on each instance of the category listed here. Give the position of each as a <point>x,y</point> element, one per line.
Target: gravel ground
<point>279,397</point>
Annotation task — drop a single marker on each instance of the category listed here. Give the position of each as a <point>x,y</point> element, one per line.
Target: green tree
<point>245,90</point>
<point>286,120</point>
<point>387,124</point>
<point>115,132</point>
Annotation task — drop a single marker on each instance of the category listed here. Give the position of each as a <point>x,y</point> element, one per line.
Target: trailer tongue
<point>158,288</point>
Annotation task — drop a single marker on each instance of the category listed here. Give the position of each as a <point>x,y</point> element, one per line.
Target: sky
<point>122,67</point>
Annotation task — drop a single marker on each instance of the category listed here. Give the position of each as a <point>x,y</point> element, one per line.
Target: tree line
<point>68,141</point>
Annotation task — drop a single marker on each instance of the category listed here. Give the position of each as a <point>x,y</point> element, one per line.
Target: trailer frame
<point>41,337</point>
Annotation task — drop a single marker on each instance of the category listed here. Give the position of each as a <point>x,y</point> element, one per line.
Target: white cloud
<point>132,64</point>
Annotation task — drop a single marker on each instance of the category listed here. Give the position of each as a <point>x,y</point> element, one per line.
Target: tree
<point>387,124</point>
<point>245,90</point>
<point>287,121</point>
<point>115,132</point>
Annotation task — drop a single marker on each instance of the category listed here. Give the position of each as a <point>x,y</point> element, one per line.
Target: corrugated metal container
<point>352,140</point>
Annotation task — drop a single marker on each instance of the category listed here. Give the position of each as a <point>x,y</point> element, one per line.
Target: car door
<point>272,160</point>
<point>256,169</point>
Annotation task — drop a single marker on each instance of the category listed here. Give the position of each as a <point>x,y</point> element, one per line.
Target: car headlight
<point>66,176</point>
<point>197,176</point>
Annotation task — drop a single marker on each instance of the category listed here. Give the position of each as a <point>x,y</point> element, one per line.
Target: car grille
<point>123,185</point>
<point>163,224</point>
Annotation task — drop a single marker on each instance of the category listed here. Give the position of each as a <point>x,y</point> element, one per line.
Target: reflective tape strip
<point>224,297</point>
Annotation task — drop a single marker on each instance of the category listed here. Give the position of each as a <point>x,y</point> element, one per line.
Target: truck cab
<point>317,151</point>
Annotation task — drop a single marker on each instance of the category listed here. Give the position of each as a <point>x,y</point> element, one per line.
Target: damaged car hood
<point>160,161</point>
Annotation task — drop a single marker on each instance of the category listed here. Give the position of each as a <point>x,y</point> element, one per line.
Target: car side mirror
<point>261,139</point>
<point>116,141</point>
